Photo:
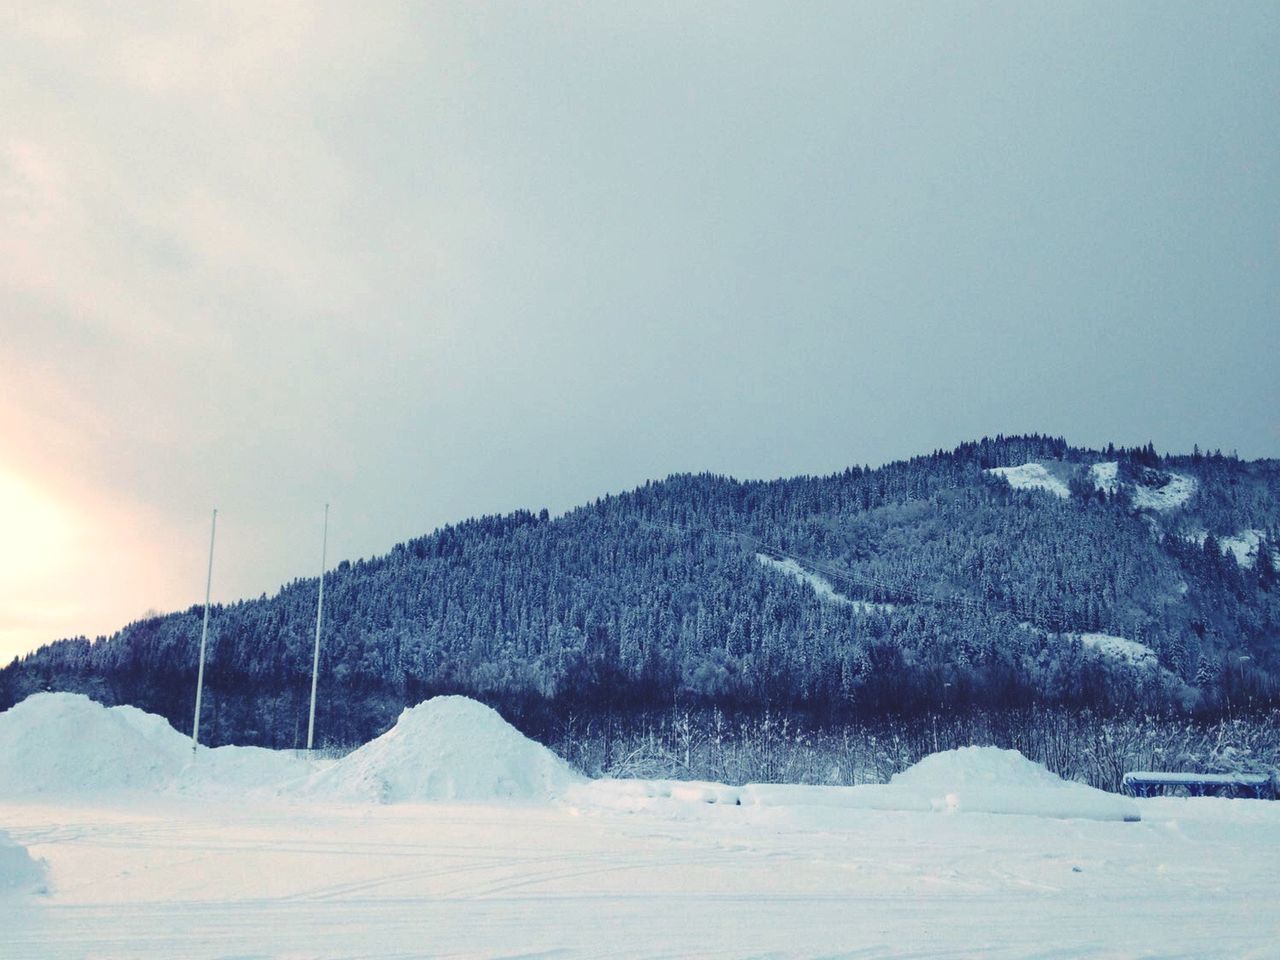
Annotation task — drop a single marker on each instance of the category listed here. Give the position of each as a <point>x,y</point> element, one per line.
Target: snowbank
<point>1032,476</point>
<point>968,780</point>
<point>447,748</point>
<point>19,874</point>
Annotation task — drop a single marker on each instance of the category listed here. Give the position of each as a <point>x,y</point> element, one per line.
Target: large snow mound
<point>19,874</point>
<point>975,767</point>
<point>1032,476</point>
<point>66,743</point>
<point>447,748</point>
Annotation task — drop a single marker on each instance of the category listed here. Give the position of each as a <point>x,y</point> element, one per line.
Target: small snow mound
<point>19,874</point>
<point>447,748</point>
<point>67,743</point>
<point>975,767</point>
<point>991,780</point>
<point>1032,476</point>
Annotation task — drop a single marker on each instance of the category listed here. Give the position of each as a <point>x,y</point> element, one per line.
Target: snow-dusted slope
<point>1244,546</point>
<point>1105,476</point>
<point>1120,648</point>
<point>447,748</point>
<point>1174,492</point>
<point>1032,476</point>
<point>821,585</point>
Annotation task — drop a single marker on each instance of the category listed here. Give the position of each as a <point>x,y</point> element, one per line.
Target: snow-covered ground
<point>573,868</point>
<point>1032,476</point>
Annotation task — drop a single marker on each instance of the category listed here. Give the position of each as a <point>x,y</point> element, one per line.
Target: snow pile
<point>239,770</point>
<point>447,748</point>
<point>991,780</point>
<point>1131,651</point>
<point>968,780</point>
<point>19,874</point>
<point>821,585</point>
<point>1159,491</point>
<point>65,743</point>
<point>1032,476</point>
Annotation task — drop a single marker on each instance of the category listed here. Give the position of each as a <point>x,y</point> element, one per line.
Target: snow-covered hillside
<point>1032,476</point>
<point>1129,651</point>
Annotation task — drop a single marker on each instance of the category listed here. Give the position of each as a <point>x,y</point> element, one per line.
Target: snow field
<point>186,878</point>
<point>351,862</point>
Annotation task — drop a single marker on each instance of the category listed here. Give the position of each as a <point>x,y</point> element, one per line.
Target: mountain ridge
<point>965,590</point>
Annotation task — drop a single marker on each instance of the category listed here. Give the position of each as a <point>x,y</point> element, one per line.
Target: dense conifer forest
<point>1125,583</point>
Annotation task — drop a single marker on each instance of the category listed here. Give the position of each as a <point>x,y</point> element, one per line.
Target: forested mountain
<point>1115,579</point>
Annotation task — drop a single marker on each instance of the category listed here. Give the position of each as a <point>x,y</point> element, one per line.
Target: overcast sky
<point>431,261</point>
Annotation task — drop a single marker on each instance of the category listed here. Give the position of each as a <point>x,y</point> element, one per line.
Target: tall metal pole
<point>315,663</point>
<point>204,636</point>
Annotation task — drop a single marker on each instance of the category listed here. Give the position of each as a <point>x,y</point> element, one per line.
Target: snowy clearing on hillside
<point>1243,545</point>
<point>1032,476</point>
<point>821,585</point>
<point>1105,476</point>
<point>1173,493</point>
<point>1131,651</point>
<point>932,864</point>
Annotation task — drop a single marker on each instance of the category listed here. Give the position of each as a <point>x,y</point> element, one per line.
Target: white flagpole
<point>315,663</point>
<point>204,635</point>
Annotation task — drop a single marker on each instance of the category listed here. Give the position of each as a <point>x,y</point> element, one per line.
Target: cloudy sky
<point>431,261</point>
